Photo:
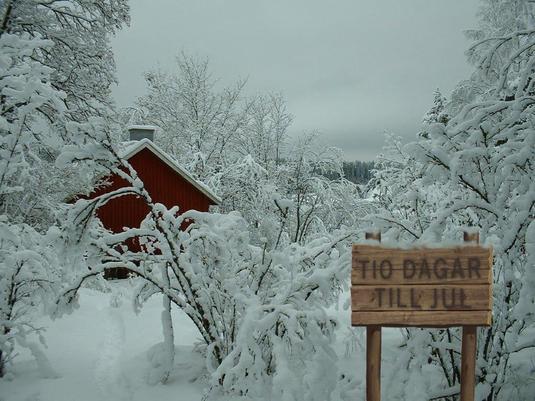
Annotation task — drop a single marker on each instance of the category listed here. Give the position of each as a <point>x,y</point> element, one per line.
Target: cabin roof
<point>130,148</point>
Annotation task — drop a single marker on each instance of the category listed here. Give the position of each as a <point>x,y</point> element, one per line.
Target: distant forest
<point>358,172</point>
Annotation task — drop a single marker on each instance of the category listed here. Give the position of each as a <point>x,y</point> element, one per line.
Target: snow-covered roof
<point>144,127</point>
<point>130,148</point>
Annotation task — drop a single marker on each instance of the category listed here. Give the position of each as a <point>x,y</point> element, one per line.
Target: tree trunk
<point>168,336</point>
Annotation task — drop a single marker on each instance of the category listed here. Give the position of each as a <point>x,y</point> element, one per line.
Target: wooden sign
<point>424,287</point>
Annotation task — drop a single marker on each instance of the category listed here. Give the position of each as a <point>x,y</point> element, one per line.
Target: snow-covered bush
<point>258,306</point>
<point>29,272</point>
<point>255,283</point>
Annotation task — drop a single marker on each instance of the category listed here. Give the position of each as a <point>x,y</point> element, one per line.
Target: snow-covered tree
<point>81,60</point>
<point>53,55</point>
<point>321,199</point>
<point>481,166</point>
<point>306,191</point>
<point>200,124</point>
<point>75,60</point>
<point>241,148</point>
<point>265,136</point>
<point>25,88</point>
<point>437,113</point>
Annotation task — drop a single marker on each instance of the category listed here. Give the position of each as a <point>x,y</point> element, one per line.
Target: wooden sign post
<point>421,287</point>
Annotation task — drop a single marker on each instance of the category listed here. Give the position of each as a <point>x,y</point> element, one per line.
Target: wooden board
<point>422,318</point>
<point>420,297</point>
<point>433,287</point>
<point>420,276</point>
<point>377,265</point>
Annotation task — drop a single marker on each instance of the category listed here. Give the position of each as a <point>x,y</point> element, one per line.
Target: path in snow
<point>109,367</point>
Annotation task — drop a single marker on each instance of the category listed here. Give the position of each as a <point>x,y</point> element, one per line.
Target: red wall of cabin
<point>163,184</point>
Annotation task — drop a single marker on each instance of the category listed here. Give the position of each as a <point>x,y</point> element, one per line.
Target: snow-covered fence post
<point>373,349</point>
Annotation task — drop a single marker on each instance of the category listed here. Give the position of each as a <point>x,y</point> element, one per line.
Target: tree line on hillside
<point>358,172</point>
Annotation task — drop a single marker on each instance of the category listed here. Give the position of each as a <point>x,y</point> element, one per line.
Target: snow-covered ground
<point>101,352</point>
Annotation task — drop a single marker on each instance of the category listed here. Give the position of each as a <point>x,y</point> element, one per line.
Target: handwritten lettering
<point>473,266</point>
<point>410,297</point>
<point>385,268</point>
<point>420,269</point>
<point>409,268</point>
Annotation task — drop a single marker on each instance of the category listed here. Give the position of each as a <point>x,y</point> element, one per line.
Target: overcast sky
<point>351,69</point>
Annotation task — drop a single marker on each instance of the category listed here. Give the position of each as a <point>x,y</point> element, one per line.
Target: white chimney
<point>139,132</point>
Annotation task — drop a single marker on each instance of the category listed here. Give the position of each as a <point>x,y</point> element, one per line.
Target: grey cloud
<point>350,69</point>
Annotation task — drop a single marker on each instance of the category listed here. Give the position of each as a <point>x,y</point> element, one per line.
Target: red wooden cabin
<point>164,179</point>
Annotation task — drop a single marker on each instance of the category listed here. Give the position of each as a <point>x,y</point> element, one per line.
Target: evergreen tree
<point>436,115</point>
